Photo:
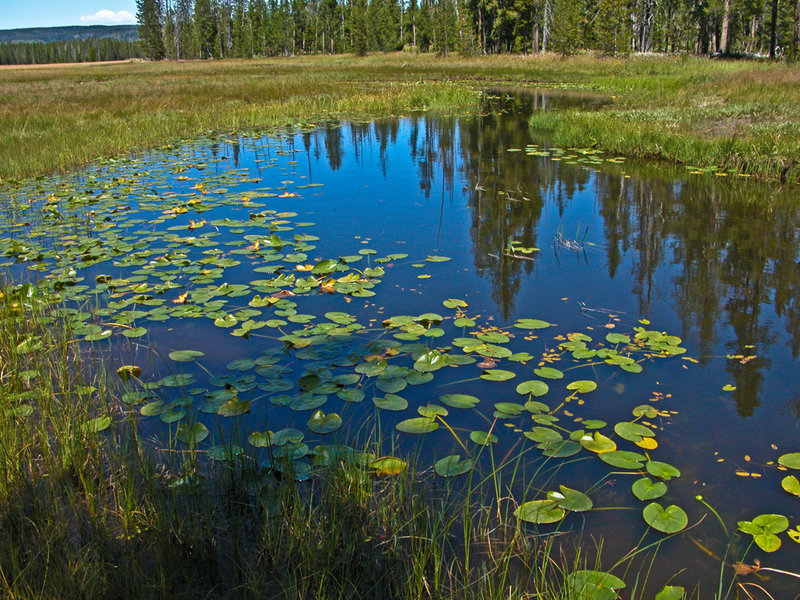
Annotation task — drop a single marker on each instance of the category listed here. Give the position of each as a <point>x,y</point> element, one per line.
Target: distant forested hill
<point>127,33</point>
<point>38,45</point>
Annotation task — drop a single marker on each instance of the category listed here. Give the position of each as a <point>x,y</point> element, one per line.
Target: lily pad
<point>549,373</point>
<point>540,512</point>
<point>790,461</point>
<point>323,424</point>
<point>594,585</point>
<point>497,375</point>
<point>185,355</point>
<point>582,386</point>
<point>791,485</point>
<point>417,425</point>
<point>667,520</point>
<point>390,402</point>
<point>387,466</point>
<point>533,387</point>
<point>646,489</point>
<point>191,434</point>
<point>483,438</point>
<point>459,400</point>
<point>764,529</point>
<point>662,470</point>
<point>623,459</point>
<point>570,499</point>
<point>452,466</point>
<point>531,324</point>
<point>597,442</point>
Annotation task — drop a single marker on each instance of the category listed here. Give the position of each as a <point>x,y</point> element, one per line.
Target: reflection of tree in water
<point>734,255</point>
<point>506,192</point>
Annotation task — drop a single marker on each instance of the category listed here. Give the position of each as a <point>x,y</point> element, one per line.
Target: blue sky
<point>51,13</point>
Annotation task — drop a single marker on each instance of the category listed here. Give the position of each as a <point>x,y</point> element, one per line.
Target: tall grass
<point>732,114</point>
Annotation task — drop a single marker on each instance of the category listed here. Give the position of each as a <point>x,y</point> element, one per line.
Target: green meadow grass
<point>729,114</point>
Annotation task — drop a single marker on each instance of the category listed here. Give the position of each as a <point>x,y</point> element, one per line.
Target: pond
<point>453,286</point>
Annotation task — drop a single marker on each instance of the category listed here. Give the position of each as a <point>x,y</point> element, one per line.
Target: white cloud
<point>109,17</point>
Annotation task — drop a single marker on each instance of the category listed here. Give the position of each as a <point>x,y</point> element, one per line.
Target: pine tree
<point>567,26</point>
<point>149,14</point>
<point>613,27</point>
<point>205,25</point>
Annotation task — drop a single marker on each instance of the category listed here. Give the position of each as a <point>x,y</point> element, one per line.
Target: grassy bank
<point>729,114</point>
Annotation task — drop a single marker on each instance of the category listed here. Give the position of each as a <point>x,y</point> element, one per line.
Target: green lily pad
<point>387,466</point>
<point>618,338</point>
<point>562,449</point>
<point>185,355</point>
<point>662,470</point>
<point>483,438</point>
<point>351,395</point>
<point>438,259</point>
<point>430,361</point>
<point>549,373</point>
<point>531,324</point>
<point>125,372</point>
<point>390,402</point>
<point>671,592</point>
<point>452,466</point>
<point>432,410</point>
<point>646,489</point>
<point>667,520</point>
<point>790,461</point>
<point>582,386</point>
<point>633,432</point>
<point>453,303</point>
<point>594,585</point>
<point>191,434</point>
<point>497,375</point>
<point>623,459</point>
<point>459,400</point>
<point>533,387</point>
<point>241,364</point>
<point>570,499</point>
<point>540,512</point>
<point>543,434</point>
<point>97,425</point>
<point>597,442</point>
<point>226,321</point>
<point>323,424</point>
<point>791,484</point>
<point>417,425</point>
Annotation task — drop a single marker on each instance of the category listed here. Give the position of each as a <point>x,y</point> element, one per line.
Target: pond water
<point>394,273</point>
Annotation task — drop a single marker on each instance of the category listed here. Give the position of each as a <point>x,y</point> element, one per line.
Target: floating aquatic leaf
<point>633,432</point>
<point>618,338</point>
<point>662,470</point>
<point>511,409</point>
<point>307,401</point>
<point>453,303</point>
<point>483,438</point>
<point>259,439</point>
<point>570,499</point>
<point>549,373</point>
<point>764,529</point>
<point>452,466</point>
<point>432,410</point>
<point>645,410</point>
<point>390,402</point>
<point>497,375</point>
<point>226,321</point>
<point>459,400</point>
<point>97,425</point>
<point>646,489</point>
<point>191,434</point>
<point>623,459</point>
<point>593,424</point>
<point>241,364</point>
<point>598,443</point>
<point>594,585</point>
<point>531,324</point>
<point>125,372</point>
<point>667,520</point>
<point>583,386</point>
<point>791,484</point>
<point>543,434</point>
<point>185,355</point>
<point>135,332</point>
<point>436,259</point>
<point>562,449</point>
<point>671,592</point>
<point>790,461</point>
<point>430,361</point>
<point>417,378</point>
<point>178,380</point>
<point>540,512</point>
<point>417,425</point>
<point>322,424</point>
<point>391,385</point>
<point>728,387</point>
<point>533,387</point>
<point>388,466</point>
<point>225,452</point>
<point>351,395</point>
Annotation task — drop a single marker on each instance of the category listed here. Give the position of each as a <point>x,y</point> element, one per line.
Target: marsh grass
<point>730,114</point>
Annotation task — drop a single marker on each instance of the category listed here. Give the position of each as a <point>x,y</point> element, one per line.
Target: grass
<point>729,114</point>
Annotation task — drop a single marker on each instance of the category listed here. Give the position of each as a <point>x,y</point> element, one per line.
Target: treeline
<point>180,29</point>
<point>86,50</point>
